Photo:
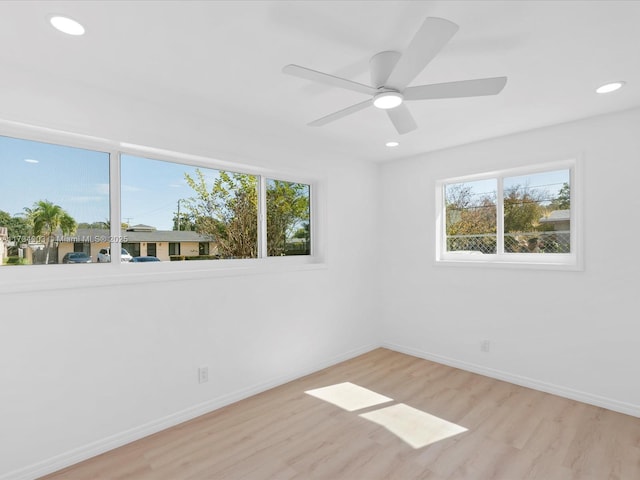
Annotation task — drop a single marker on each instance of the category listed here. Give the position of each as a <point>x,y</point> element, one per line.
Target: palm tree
<point>47,218</point>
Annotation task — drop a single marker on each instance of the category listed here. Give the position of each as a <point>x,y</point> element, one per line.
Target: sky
<point>75,179</point>
<point>151,189</point>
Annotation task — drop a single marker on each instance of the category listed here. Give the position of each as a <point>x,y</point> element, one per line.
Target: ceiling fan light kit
<point>387,100</point>
<point>392,72</point>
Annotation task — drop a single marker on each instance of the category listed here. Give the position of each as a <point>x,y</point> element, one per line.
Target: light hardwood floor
<point>513,433</point>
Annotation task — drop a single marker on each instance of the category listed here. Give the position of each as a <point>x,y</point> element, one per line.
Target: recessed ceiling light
<point>31,160</point>
<point>387,100</point>
<point>392,144</point>
<point>610,87</point>
<point>67,25</point>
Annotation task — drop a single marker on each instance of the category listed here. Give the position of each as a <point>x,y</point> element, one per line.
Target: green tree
<point>95,225</point>
<point>563,199</point>
<point>522,209</point>
<point>46,218</point>
<point>477,219</point>
<point>187,223</point>
<point>287,214</point>
<point>18,228</point>
<point>466,215</point>
<point>303,232</point>
<point>4,218</point>
<point>226,211</point>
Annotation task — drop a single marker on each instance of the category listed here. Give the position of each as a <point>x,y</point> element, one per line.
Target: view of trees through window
<point>288,215</point>
<point>205,213</point>
<point>536,215</point>
<point>54,208</point>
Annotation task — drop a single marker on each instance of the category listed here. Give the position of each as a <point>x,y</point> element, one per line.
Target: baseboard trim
<point>98,447</point>
<point>580,396</point>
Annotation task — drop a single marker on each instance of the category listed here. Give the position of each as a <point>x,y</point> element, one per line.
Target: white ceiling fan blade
<point>427,42</point>
<point>463,88</point>
<point>341,113</point>
<point>381,65</point>
<point>402,119</point>
<point>315,76</point>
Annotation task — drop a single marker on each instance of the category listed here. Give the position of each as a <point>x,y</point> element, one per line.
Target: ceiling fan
<point>392,72</point>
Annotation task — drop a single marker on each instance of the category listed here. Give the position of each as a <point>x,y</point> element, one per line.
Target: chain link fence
<point>525,242</point>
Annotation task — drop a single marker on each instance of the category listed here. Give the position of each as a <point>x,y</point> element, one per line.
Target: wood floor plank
<point>513,433</point>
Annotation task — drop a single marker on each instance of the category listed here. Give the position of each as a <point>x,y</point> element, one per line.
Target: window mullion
<point>500,217</point>
<point>115,210</point>
<point>262,216</point>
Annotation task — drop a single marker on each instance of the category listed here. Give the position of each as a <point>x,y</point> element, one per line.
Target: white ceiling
<point>223,59</point>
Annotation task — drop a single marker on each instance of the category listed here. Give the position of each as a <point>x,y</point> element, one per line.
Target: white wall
<point>573,333</point>
<point>84,369</point>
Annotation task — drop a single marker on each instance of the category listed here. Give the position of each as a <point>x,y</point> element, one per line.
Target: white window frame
<point>559,261</point>
<point>45,277</point>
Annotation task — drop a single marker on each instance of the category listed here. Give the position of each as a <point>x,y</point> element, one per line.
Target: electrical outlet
<point>485,346</point>
<point>203,374</point>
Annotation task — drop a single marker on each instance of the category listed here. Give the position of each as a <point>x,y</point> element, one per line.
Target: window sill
<point>570,264</point>
<point>32,278</point>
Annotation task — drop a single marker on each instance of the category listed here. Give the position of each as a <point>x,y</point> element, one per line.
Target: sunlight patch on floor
<point>413,426</point>
<point>349,396</point>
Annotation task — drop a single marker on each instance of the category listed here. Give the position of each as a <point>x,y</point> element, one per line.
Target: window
<point>288,216</point>
<point>470,213</point>
<point>131,248</point>
<point>191,205</point>
<point>83,247</point>
<point>524,216</point>
<point>174,249</point>
<point>537,213</point>
<point>55,199</point>
<point>52,199</point>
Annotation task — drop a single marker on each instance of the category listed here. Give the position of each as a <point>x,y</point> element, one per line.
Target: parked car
<point>104,255</point>
<point>148,258</point>
<point>76,257</point>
